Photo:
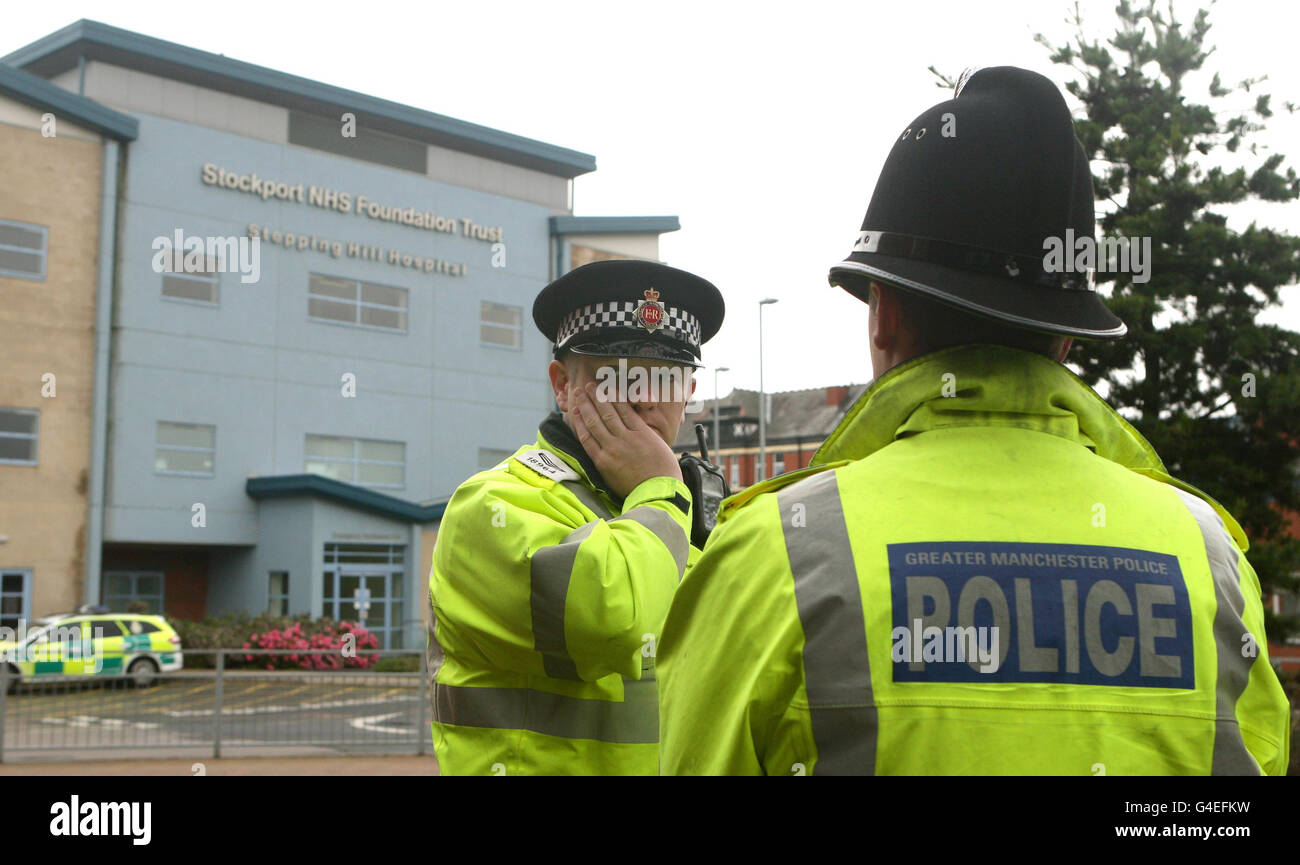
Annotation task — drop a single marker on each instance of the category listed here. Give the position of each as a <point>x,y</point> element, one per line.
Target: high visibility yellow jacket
<point>988,572</point>
<point>547,596</point>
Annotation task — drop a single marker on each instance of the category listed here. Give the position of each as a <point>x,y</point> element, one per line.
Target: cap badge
<point>650,312</point>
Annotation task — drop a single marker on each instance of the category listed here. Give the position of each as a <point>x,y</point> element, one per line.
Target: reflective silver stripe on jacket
<point>433,654</point>
<point>549,571</point>
<point>634,721</point>
<point>666,529</point>
<point>663,526</point>
<point>588,497</point>
<point>1231,756</point>
<point>837,669</point>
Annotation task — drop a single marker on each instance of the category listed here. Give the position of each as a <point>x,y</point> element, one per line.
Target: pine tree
<point>1216,392</point>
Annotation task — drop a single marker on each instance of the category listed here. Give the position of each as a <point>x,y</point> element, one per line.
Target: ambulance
<point>134,646</point>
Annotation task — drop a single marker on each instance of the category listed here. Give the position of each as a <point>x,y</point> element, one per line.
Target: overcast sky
<point>762,126</point>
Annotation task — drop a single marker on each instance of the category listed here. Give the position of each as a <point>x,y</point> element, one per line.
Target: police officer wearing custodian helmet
<point>986,570</point>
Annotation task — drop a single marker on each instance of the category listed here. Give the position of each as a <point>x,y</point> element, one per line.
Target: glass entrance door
<point>384,580</point>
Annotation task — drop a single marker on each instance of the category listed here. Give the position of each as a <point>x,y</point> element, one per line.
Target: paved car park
<point>361,713</point>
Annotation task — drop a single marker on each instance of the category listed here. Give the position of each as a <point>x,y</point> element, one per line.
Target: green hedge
<point>399,664</point>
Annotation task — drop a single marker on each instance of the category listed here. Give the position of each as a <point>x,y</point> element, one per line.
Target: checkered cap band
<point>678,323</point>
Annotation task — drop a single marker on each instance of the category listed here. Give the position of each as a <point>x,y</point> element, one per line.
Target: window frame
<point>135,575</point>
<point>35,437</point>
<point>359,303</point>
<point>24,593</point>
<point>44,251</point>
<point>186,448</point>
<point>355,460</point>
<point>272,597</point>
<point>212,277</point>
<point>519,330</point>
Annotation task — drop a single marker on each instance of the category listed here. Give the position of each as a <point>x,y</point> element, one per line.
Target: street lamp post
<point>717,427</point>
<point>760,472</point>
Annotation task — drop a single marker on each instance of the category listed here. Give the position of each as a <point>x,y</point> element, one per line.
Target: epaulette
<point>741,498</point>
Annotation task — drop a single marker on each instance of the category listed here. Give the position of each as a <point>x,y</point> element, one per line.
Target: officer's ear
<point>886,318</point>
<point>559,375</point>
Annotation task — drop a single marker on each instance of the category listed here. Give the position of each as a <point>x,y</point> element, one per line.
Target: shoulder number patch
<point>548,465</point>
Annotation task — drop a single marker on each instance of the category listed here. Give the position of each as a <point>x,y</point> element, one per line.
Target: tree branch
<point>1227,399</point>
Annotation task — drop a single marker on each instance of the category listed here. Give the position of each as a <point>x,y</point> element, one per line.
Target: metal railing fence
<point>352,710</point>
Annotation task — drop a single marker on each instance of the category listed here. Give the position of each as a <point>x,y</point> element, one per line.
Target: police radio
<point>708,488</point>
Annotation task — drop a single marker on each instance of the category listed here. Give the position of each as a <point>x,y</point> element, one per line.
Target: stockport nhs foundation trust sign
<point>345,202</point>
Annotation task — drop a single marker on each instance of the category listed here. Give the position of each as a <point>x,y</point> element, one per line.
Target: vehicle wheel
<point>143,672</point>
<point>12,681</point>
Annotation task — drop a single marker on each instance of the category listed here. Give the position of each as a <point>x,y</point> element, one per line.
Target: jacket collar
<point>990,385</point>
<point>554,435</point>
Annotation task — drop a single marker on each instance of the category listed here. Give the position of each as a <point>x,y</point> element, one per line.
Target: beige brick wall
<point>48,327</point>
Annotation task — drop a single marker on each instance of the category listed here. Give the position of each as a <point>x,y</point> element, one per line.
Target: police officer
<point>553,571</point>
<point>986,570</point>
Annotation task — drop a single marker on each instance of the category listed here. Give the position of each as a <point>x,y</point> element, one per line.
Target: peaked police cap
<point>972,194</point>
<point>625,308</point>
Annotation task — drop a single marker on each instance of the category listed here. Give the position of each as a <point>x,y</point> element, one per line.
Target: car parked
<point>139,645</point>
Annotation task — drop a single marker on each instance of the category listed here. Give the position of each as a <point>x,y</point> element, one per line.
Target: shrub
<point>264,631</point>
<point>399,664</point>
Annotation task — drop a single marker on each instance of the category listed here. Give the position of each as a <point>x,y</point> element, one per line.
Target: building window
<point>335,300</point>
<point>23,249</point>
<point>365,462</point>
<point>778,464</point>
<point>378,568</point>
<point>15,597</point>
<point>735,473</point>
<point>18,434</point>
<point>185,449</point>
<point>277,595</point>
<point>195,286</point>
<point>500,325</point>
<point>489,457</point>
<point>133,591</point>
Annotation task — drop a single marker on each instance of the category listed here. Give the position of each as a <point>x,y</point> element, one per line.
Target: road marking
<point>111,723</point>
<point>372,724</point>
<point>246,704</point>
<point>331,704</point>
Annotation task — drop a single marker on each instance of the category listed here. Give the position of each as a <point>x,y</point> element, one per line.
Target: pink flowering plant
<point>329,638</point>
<point>300,633</point>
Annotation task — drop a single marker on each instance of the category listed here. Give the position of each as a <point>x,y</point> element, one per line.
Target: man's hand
<point>624,449</point>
